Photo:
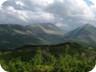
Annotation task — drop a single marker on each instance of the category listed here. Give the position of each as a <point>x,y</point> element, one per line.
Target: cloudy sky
<point>63,13</point>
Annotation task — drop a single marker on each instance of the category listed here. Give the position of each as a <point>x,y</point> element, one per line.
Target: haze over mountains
<point>13,35</point>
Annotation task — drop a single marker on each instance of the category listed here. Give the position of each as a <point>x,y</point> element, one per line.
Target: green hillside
<point>66,57</point>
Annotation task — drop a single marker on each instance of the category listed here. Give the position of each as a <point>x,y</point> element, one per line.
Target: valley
<point>46,48</point>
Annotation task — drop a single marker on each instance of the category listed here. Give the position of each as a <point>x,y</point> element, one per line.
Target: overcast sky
<point>66,14</point>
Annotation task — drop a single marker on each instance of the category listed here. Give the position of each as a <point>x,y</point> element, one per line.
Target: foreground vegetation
<point>39,60</point>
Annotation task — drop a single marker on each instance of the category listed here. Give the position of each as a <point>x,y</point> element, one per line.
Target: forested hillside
<point>67,57</point>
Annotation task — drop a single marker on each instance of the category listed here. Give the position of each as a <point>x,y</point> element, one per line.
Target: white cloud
<point>1,1</point>
<point>67,12</point>
<point>72,8</point>
<point>93,6</point>
<point>93,1</point>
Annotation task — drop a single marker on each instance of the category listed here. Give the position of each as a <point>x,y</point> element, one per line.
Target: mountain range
<point>13,35</point>
<point>40,47</point>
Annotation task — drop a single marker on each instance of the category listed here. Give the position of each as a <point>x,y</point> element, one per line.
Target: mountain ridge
<point>44,34</point>
<point>13,35</point>
<point>85,34</point>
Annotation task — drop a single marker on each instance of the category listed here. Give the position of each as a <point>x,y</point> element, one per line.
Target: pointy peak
<point>88,26</point>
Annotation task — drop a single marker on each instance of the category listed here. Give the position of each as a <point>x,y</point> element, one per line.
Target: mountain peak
<point>84,34</point>
<point>87,27</point>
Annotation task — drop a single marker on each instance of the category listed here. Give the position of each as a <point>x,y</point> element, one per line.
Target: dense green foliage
<point>39,60</point>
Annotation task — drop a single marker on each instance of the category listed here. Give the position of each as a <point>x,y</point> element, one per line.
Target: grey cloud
<point>27,6</point>
<point>69,13</point>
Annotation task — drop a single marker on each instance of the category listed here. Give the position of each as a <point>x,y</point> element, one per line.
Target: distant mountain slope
<point>13,35</point>
<point>85,35</point>
<point>47,32</point>
<point>48,28</point>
